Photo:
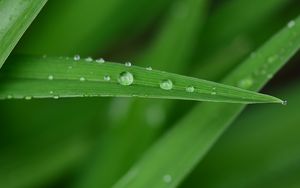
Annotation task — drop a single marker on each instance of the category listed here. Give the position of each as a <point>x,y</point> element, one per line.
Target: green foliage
<point>86,140</point>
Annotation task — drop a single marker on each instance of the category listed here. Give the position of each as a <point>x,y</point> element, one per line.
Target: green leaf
<point>28,77</point>
<point>175,154</point>
<point>16,16</point>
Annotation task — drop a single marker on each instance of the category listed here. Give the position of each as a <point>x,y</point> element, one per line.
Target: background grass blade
<point>16,16</point>
<point>27,77</point>
<point>182,147</point>
<point>258,150</point>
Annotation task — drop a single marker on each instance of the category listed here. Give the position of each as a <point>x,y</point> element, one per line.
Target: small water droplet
<point>167,178</point>
<point>28,98</point>
<point>213,93</point>
<point>76,57</point>
<point>149,68</point>
<point>284,102</point>
<point>272,59</point>
<point>106,78</point>
<point>269,76</point>
<point>82,79</point>
<point>70,67</point>
<point>55,97</point>
<point>100,60</point>
<point>245,83</point>
<point>51,92</point>
<point>125,78</point>
<point>128,64</point>
<point>44,56</point>
<point>190,89</point>
<point>291,24</point>
<point>9,96</point>
<point>50,77</point>
<point>89,59</point>
<point>166,84</point>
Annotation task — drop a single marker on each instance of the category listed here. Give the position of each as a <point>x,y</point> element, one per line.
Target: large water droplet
<point>76,57</point>
<point>50,77</point>
<point>167,178</point>
<point>190,89</point>
<point>166,84</point>
<point>128,64</point>
<point>245,83</point>
<point>106,78</point>
<point>291,24</point>
<point>125,78</point>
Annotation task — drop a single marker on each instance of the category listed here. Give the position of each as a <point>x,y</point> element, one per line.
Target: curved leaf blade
<point>16,16</point>
<point>187,143</point>
<point>29,77</point>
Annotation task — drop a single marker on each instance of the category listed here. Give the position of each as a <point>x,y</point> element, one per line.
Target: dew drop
<point>82,79</point>
<point>128,64</point>
<point>291,24</point>
<point>9,96</point>
<point>166,84</point>
<point>149,68</point>
<point>106,78</point>
<point>190,89</point>
<point>50,77</point>
<point>70,67</point>
<point>55,97</point>
<point>89,59</point>
<point>51,92</point>
<point>28,98</point>
<point>100,60</point>
<point>284,103</point>
<point>76,57</point>
<point>245,83</point>
<point>125,78</point>
<point>167,178</point>
<point>213,93</point>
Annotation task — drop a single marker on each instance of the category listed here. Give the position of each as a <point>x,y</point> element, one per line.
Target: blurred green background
<point>92,142</point>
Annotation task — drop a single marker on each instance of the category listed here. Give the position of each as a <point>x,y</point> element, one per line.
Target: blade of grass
<point>178,31</point>
<point>257,150</point>
<point>28,77</point>
<point>16,16</point>
<point>175,154</point>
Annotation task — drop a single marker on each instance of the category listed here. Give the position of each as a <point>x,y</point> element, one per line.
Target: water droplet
<point>272,59</point>
<point>167,178</point>
<point>55,97</point>
<point>50,77</point>
<point>125,78</point>
<point>9,96</point>
<point>149,68</point>
<point>166,84</point>
<point>291,24</point>
<point>89,59</point>
<point>106,78</point>
<point>213,93</point>
<point>51,92</point>
<point>28,98</point>
<point>76,57</point>
<point>70,67</point>
<point>128,64</point>
<point>245,83</point>
<point>100,60</point>
<point>190,89</point>
<point>269,76</point>
<point>284,103</point>
<point>82,79</point>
